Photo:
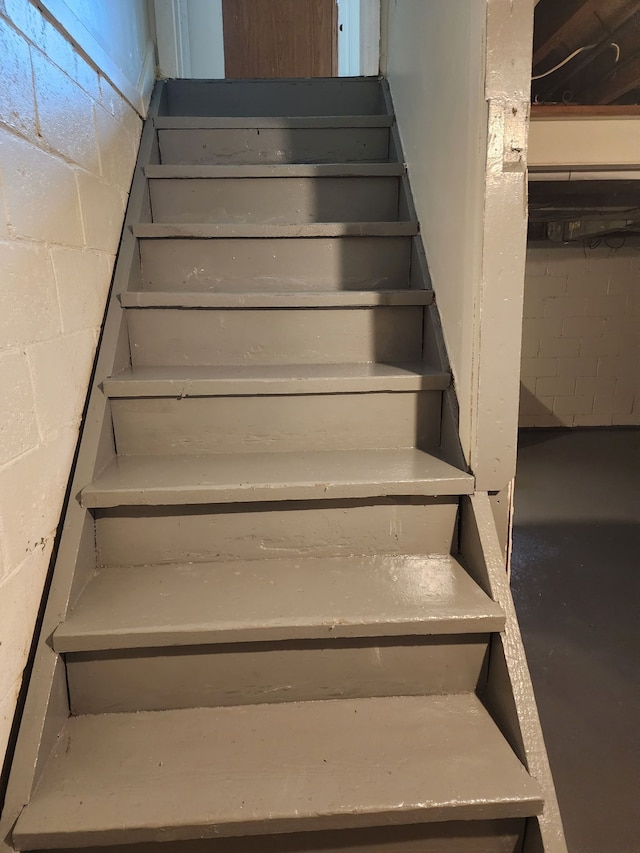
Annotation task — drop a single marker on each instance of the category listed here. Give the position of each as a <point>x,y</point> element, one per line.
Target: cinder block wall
<point>581,337</point>
<point>68,143</point>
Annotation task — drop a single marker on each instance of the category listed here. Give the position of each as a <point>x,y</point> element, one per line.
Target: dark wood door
<point>280,38</point>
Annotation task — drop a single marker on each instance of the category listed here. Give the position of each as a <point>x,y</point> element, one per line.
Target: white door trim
<point>172,30</point>
<point>369,38</point>
<point>348,38</point>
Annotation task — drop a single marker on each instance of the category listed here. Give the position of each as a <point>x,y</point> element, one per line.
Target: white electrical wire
<point>564,61</point>
<point>570,57</point>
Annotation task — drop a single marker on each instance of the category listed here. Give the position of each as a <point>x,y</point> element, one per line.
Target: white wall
<point>581,338</point>
<point>460,73</point>
<point>435,66</point>
<point>68,143</point>
<point>116,36</point>
<point>584,142</point>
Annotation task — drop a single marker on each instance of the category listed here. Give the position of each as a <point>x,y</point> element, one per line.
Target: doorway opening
<point>217,39</point>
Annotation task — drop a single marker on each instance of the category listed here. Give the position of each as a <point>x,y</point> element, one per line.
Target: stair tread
<point>207,772</point>
<point>276,599</point>
<point>207,230</point>
<point>184,381</point>
<point>274,299</point>
<point>237,122</point>
<point>222,477</point>
<point>276,170</point>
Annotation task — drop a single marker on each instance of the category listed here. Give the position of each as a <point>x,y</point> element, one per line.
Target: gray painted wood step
<point>276,263</point>
<point>274,600</point>
<point>252,141</point>
<point>272,122</point>
<point>275,299</point>
<point>286,170</point>
<point>114,778</point>
<point>383,334</point>
<point>175,480</point>
<point>275,200</point>
<point>297,97</point>
<point>171,230</point>
<point>273,379</point>
<point>276,424</point>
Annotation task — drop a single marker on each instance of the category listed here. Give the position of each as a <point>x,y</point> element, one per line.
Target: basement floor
<point>576,585</point>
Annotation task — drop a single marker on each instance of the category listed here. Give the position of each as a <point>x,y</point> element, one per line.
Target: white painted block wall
<point>68,143</point>
<point>581,337</point>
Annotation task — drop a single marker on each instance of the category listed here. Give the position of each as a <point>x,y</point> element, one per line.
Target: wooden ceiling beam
<point>622,27</point>
<point>577,24</point>
<point>548,17</point>
<point>620,81</point>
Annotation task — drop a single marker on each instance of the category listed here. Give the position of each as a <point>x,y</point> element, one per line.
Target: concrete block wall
<point>581,337</point>
<point>68,143</point>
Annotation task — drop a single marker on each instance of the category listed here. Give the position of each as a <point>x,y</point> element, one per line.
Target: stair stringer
<point>47,702</point>
<point>508,692</point>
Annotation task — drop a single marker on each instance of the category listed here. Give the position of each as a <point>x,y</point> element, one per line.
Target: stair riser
<point>300,97</point>
<point>275,200</point>
<point>309,336</point>
<point>317,336</point>
<point>146,536</point>
<point>280,424</point>
<point>281,264</point>
<point>227,146</point>
<point>478,836</point>
<point>210,676</point>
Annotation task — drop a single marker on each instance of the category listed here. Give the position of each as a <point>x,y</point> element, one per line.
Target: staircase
<point>279,619</point>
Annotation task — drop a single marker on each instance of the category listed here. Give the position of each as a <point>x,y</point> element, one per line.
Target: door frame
<point>348,38</point>
<point>358,42</point>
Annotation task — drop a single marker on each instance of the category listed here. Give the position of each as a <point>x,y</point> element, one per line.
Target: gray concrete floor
<point>576,585</point>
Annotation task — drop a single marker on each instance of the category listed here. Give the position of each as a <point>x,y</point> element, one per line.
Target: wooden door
<point>280,38</point>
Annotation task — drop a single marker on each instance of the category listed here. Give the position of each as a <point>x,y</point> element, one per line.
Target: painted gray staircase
<point>274,625</point>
